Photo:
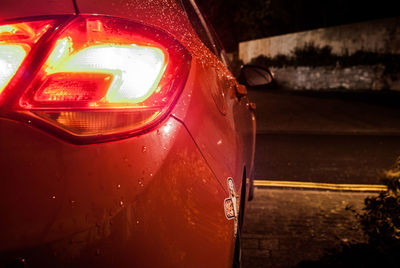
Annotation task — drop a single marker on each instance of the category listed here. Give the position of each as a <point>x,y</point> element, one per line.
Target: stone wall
<point>360,77</point>
<point>382,36</point>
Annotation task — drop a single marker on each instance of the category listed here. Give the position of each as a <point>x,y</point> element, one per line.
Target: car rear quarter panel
<point>214,133</point>
<point>226,141</point>
<point>150,201</point>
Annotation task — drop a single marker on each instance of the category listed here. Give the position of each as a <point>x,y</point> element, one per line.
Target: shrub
<point>380,222</point>
<point>311,55</point>
<point>381,217</point>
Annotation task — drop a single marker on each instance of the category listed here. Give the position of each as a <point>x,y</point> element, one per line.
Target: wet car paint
<point>152,200</point>
<point>197,98</point>
<point>73,207</point>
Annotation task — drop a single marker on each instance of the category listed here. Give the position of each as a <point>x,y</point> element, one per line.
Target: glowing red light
<point>74,88</point>
<point>16,40</point>
<point>115,77</point>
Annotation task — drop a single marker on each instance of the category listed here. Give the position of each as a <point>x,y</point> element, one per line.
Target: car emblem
<point>231,203</point>
<point>229,209</point>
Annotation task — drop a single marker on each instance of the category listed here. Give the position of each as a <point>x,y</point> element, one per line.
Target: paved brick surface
<point>284,227</point>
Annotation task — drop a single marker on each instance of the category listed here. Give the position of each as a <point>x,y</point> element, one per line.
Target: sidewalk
<point>284,227</point>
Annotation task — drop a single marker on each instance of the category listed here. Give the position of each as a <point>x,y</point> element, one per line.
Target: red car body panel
<point>153,200</point>
<point>210,78</point>
<point>11,9</point>
<point>89,204</point>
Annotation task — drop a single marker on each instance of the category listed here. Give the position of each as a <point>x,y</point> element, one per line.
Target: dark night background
<point>238,20</point>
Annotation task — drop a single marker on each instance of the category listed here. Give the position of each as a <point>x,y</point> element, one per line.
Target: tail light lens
<point>103,78</point>
<point>16,41</point>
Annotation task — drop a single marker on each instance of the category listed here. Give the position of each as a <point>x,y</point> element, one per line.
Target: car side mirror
<point>254,76</point>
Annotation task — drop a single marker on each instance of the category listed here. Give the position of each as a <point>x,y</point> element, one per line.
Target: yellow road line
<point>322,186</point>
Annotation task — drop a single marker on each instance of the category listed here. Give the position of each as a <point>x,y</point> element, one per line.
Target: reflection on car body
<point>120,131</point>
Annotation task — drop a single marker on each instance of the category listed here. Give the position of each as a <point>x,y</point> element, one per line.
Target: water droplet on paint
<point>141,182</point>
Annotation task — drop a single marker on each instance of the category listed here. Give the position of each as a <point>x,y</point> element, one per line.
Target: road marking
<point>321,186</point>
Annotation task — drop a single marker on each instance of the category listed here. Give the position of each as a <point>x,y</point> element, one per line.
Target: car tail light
<point>104,78</point>
<point>16,41</point>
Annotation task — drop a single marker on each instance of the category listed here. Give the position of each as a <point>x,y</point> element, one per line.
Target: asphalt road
<point>326,137</point>
<point>356,159</point>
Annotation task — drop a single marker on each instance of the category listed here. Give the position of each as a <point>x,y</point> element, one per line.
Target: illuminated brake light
<point>135,70</point>
<point>16,40</point>
<point>105,78</point>
<point>11,57</point>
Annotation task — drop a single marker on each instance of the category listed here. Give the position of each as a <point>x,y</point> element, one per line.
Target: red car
<point>125,141</point>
